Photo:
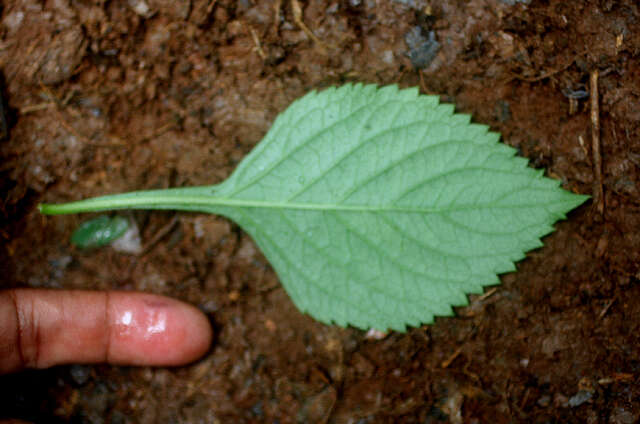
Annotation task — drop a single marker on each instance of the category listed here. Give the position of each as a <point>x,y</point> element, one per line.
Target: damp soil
<point>104,97</point>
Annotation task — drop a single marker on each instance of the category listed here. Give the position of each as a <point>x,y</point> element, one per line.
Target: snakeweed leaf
<point>377,207</point>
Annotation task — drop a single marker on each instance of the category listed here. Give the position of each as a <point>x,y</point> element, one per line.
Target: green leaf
<point>377,207</point>
<point>99,231</point>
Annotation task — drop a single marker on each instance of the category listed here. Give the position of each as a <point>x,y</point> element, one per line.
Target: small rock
<point>503,111</point>
<point>560,400</point>
<point>553,343</point>
<point>59,265</point>
<point>452,406</point>
<point>387,57</point>
<point>374,334</point>
<point>579,398</point>
<point>61,262</point>
<point>13,20</point>
<point>141,8</point>
<point>504,44</point>
<point>80,374</point>
<point>544,401</point>
<point>422,50</point>
<point>130,241</point>
<point>156,39</point>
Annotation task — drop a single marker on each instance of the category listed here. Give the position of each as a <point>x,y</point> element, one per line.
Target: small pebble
<point>579,398</point>
<point>422,50</point>
<point>80,374</point>
<point>140,7</point>
<point>374,334</point>
<point>544,401</point>
<point>130,241</point>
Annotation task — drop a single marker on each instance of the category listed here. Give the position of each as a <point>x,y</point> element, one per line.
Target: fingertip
<point>198,331</point>
<point>154,330</point>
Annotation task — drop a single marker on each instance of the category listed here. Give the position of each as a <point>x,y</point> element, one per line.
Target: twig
<point>159,235</point>
<point>276,19</point>
<point>606,308</point>
<point>450,359</point>
<point>35,108</point>
<point>423,85</point>
<point>544,75</point>
<point>598,192</point>
<point>616,377</point>
<point>258,46</point>
<point>166,127</point>
<point>619,41</point>
<point>297,17</point>
<point>525,398</point>
<point>50,94</point>
<point>584,148</point>
<point>489,293</point>
<point>212,4</point>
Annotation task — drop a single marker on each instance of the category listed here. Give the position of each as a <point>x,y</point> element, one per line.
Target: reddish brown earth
<point>107,96</point>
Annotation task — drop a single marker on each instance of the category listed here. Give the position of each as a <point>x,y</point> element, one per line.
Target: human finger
<point>40,328</point>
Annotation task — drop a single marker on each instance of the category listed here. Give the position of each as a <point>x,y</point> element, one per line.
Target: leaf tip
<point>573,200</point>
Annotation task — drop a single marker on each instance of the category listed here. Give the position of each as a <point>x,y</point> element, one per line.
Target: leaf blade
<point>387,209</point>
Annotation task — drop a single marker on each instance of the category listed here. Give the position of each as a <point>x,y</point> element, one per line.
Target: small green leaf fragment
<point>99,231</point>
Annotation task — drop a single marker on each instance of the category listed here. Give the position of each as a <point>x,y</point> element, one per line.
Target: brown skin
<point>42,328</point>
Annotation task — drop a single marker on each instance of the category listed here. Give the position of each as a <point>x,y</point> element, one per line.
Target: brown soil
<point>115,96</point>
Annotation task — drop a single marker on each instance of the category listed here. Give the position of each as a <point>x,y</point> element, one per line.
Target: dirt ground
<point>109,96</point>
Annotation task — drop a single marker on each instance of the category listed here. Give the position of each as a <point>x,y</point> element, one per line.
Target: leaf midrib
<point>212,201</point>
